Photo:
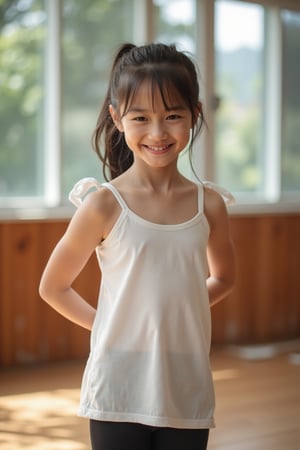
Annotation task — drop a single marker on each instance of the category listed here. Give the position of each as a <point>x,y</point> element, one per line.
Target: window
<point>239,57</point>
<point>291,102</point>
<point>91,32</point>
<point>54,61</point>
<point>22,41</point>
<point>175,23</point>
<point>257,154</point>
<point>55,57</point>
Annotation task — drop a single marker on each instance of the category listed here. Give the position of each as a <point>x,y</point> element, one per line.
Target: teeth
<point>157,149</point>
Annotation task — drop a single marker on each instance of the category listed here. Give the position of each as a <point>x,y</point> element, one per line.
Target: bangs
<point>171,82</point>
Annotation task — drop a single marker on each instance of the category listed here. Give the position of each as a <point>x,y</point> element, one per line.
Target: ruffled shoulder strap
<point>81,188</point>
<point>227,196</point>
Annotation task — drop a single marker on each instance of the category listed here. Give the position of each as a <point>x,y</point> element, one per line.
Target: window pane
<point>291,101</point>
<point>239,87</point>
<point>175,23</point>
<point>92,30</point>
<point>22,38</point>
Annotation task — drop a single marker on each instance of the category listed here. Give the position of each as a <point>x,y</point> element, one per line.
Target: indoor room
<point>55,61</point>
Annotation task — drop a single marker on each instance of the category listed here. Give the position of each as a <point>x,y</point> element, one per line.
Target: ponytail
<point>116,157</point>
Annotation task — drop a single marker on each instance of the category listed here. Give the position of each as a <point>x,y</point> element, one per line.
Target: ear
<point>198,111</point>
<point>199,108</point>
<point>116,118</point>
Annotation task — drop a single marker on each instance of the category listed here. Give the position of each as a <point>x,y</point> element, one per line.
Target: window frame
<point>274,201</point>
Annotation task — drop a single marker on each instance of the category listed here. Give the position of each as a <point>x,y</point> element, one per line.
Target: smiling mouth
<point>158,148</point>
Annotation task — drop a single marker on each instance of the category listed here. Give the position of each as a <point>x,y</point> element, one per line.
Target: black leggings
<point>134,436</point>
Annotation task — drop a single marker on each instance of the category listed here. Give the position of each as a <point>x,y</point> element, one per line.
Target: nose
<point>158,130</point>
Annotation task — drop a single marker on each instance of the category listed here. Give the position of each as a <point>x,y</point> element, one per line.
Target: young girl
<point>165,254</point>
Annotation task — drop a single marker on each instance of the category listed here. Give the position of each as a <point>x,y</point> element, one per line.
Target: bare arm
<point>220,251</point>
<point>84,233</point>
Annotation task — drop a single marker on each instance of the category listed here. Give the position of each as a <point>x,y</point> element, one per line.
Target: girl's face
<point>154,133</point>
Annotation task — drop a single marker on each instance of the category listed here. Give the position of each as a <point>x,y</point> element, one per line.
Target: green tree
<point>92,31</point>
<point>21,93</point>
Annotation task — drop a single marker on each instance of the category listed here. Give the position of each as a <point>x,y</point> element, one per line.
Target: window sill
<point>66,212</point>
<point>36,214</point>
<point>263,208</point>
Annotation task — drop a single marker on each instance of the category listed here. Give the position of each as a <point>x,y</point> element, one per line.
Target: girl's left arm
<point>220,251</point>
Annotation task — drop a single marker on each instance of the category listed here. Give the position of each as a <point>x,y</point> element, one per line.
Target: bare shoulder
<point>101,202</point>
<point>98,211</point>
<point>214,206</point>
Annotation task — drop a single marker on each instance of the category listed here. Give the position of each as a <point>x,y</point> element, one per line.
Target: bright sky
<point>237,25</point>
<point>178,11</point>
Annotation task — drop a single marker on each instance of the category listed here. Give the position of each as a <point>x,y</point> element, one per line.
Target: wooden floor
<point>258,405</point>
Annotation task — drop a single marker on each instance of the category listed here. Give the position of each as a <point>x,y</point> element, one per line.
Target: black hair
<point>168,70</point>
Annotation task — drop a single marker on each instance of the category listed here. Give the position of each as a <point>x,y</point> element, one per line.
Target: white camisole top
<point>150,342</point>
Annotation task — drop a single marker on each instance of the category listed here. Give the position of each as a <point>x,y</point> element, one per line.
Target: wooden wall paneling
<point>24,294</point>
<point>292,294</point>
<point>271,299</point>
<point>264,305</point>
<point>240,308</point>
<point>20,298</point>
<point>279,326</point>
<point>240,311</point>
<point>263,298</point>
<point>7,337</point>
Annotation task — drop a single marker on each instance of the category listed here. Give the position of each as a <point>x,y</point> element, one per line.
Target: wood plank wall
<point>264,306</point>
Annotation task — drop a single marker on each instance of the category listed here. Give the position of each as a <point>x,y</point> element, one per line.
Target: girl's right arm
<point>85,231</point>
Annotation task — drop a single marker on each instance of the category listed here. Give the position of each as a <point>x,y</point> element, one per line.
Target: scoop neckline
<point>127,210</point>
<point>162,225</point>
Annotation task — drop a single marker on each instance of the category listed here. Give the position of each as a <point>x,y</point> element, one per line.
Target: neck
<point>161,179</point>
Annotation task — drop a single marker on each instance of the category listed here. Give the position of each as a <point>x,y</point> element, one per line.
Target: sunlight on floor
<point>40,421</point>
<point>46,420</point>
<point>225,374</point>
<point>257,405</point>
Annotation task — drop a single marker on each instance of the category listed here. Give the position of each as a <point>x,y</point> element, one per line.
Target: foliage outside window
<point>239,85</point>
<point>22,41</point>
<point>291,102</point>
<point>89,33</point>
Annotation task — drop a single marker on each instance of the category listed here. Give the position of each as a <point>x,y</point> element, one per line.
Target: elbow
<point>219,288</point>
<point>46,289</point>
<point>43,290</point>
<point>50,291</point>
